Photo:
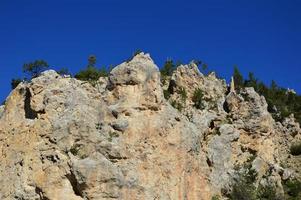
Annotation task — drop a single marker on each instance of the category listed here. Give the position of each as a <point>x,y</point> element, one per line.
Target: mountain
<point>134,136</point>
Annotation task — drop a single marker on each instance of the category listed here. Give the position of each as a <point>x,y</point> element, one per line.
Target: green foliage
<point>92,61</point>
<point>197,98</point>
<point>281,103</point>
<point>292,189</point>
<point>296,149</point>
<point>91,73</point>
<point>15,83</point>
<point>75,149</point>
<point>252,81</point>
<point>183,94</point>
<point>166,94</point>
<point>63,71</point>
<point>177,105</point>
<point>266,193</point>
<point>243,190</point>
<point>168,68</point>
<point>33,69</point>
<point>112,135</point>
<point>215,197</point>
<point>238,79</point>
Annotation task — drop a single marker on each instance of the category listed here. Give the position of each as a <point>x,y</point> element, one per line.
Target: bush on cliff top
<point>91,73</point>
<point>281,102</point>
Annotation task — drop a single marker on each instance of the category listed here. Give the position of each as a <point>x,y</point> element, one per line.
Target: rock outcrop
<point>61,138</point>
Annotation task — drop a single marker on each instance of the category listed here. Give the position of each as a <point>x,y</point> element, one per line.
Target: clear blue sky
<point>262,36</point>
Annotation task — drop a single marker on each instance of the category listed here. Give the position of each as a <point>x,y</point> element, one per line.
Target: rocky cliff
<point>63,139</point>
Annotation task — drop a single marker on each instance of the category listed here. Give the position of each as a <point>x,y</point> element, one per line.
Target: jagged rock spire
<point>232,86</point>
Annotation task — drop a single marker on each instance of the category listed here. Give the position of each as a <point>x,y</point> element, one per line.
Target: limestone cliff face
<point>61,138</point>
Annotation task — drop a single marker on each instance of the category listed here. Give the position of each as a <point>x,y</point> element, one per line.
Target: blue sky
<point>262,36</point>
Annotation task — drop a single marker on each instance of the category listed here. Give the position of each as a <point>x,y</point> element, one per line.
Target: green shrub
<point>243,191</point>
<point>281,102</point>
<point>112,135</point>
<point>64,71</point>
<point>166,94</point>
<point>244,188</point>
<point>74,149</point>
<point>292,189</point>
<point>15,83</point>
<point>267,193</point>
<point>238,79</point>
<point>167,69</point>
<point>33,69</point>
<point>197,98</point>
<point>215,197</point>
<point>177,105</point>
<point>183,94</point>
<point>296,149</point>
<point>91,74</point>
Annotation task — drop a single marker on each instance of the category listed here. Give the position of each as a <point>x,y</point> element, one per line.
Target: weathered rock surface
<point>61,138</point>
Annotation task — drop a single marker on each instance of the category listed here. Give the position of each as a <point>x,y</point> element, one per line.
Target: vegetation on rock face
<point>292,189</point>
<point>197,98</point>
<point>206,137</point>
<point>183,94</point>
<point>281,102</point>
<point>167,69</point>
<point>216,197</point>
<point>296,149</point>
<point>166,94</point>
<point>244,187</point>
<point>177,105</point>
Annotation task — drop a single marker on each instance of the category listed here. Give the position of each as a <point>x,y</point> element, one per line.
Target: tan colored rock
<point>189,78</point>
<point>250,111</point>
<point>61,138</point>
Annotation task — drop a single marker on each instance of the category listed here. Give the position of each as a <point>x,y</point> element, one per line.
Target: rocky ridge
<point>62,138</point>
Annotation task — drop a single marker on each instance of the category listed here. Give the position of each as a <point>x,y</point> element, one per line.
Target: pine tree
<point>238,79</point>
<point>33,69</point>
